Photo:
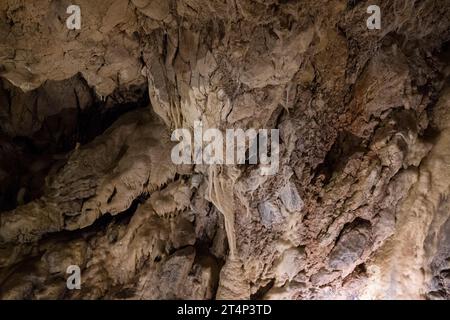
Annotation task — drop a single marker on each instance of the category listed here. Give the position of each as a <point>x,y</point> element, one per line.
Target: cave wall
<point>357,210</point>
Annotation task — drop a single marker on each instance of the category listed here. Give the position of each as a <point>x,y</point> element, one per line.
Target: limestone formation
<point>358,209</point>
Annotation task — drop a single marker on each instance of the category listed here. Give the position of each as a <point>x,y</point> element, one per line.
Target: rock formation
<point>359,207</point>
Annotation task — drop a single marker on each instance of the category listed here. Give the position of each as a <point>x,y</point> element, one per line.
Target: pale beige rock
<point>358,208</point>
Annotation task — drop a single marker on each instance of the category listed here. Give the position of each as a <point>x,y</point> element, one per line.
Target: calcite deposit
<point>358,209</point>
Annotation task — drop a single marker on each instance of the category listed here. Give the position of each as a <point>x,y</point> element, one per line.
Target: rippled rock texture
<point>359,208</point>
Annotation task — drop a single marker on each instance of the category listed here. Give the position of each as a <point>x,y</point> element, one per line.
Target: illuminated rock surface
<point>359,208</point>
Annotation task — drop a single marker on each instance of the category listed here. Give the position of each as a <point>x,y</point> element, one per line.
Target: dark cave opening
<point>27,154</point>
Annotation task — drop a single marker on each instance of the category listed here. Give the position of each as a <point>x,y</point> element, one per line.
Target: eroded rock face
<point>357,209</point>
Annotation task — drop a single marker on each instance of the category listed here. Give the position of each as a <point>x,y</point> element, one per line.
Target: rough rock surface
<point>359,208</point>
